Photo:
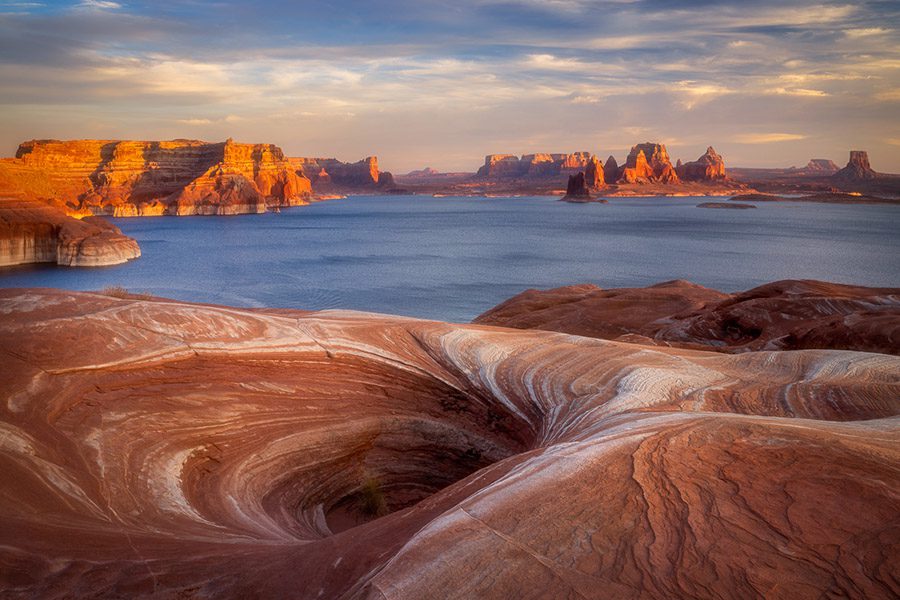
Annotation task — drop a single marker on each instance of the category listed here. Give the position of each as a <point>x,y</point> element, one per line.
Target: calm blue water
<point>453,258</point>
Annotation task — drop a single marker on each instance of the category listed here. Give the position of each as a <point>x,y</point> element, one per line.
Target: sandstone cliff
<point>857,169</point>
<point>325,173</point>
<point>131,178</point>
<point>709,167</point>
<point>32,232</point>
<point>189,451</point>
<point>532,166</point>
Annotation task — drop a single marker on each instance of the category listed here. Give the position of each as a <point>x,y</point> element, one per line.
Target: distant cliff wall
<point>132,178</point>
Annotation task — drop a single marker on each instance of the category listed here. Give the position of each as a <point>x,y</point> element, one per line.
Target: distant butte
<point>857,168</point>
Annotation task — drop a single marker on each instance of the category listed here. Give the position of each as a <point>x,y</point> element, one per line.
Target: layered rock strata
<point>784,315</point>
<point>181,450</point>
<point>31,232</point>
<point>137,178</point>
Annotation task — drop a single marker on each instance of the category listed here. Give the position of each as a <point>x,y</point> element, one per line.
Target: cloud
<point>866,32</point>
<point>798,92</point>
<point>768,138</point>
<point>99,4</point>
<point>892,95</point>
<point>410,78</point>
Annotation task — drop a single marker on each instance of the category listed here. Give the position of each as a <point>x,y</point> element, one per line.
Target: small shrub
<point>116,291</point>
<point>371,499</point>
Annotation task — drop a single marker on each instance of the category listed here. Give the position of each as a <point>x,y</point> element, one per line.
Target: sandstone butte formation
<point>857,168</point>
<point>784,315</point>
<point>329,172</point>
<point>577,189</point>
<point>31,232</point>
<point>137,178</point>
<point>581,186</point>
<point>646,163</point>
<point>709,167</point>
<point>189,451</point>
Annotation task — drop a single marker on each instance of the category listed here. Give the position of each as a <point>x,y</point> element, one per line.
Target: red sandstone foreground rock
<point>784,315</point>
<point>182,451</point>
<point>137,178</point>
<point>31,232</point>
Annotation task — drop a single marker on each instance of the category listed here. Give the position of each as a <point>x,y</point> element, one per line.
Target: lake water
<point>453,258</point>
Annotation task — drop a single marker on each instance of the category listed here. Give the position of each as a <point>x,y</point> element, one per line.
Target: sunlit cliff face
<point>442,86</point>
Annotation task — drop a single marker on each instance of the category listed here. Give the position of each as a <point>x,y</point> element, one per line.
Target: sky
<point>441,84</point>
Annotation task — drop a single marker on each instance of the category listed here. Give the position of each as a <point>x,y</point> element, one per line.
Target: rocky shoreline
<point>31,232</point>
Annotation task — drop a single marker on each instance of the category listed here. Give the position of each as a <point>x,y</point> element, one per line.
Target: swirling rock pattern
<point>783,315</point>
<point>157,448</point>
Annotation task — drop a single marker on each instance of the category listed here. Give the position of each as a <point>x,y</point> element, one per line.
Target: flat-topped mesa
<point>857,169</point>
<point>821,165</point>
<point>532,166</point>
<point>325,172</point>
<point>709,167</point>
<point>130,178</point>
<point>32,232</point>
<point>648,163</point>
